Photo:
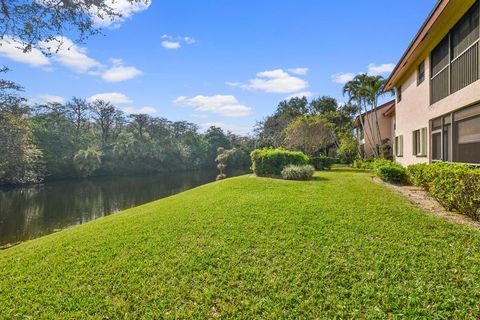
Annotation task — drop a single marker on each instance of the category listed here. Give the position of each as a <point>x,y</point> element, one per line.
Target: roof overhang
<point>440,20</point>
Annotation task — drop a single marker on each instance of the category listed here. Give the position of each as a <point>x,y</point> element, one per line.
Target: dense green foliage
<point>81,139</point>
<point>271,162</point>
<point>272,131</point>
<point>393,173</point>
<point>348,149</point>
<point>456,186</point>
<point>322,162</point>
<point>339,246</point>
<point>299,173</point>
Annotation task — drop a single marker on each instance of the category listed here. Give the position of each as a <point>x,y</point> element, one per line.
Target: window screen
<point>466,32</point>
<point>421,72</point>
<point>468,140</point>
<point>437,146</point>
<point>440,57</point>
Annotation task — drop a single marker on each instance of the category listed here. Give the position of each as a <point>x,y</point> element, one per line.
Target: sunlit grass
<point>247,247</point>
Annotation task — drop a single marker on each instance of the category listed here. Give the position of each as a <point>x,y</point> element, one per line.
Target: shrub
<point>323,162</point>
<point>393,173</point>
<point>270,162</point>
<point>383,162</point>
<point>456,186</point>
<point>363,164</point>
<point>294,172</point>
<point>87,161</point>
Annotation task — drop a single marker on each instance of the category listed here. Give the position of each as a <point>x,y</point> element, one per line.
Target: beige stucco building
<point>437,84</point>
<point>376,138</point>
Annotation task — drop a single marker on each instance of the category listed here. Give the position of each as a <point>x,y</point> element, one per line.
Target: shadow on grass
<point>316,178</point>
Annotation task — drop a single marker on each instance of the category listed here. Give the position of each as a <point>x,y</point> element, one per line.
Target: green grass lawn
<point>247,247</point>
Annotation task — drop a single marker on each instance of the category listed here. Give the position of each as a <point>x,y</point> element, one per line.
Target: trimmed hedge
<point>270,162</point>
<point>456,186</point>
<point>323,162</point>
<point>293,172</point>
<point>393,173</point>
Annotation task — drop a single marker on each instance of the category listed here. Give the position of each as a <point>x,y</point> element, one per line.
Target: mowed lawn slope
<point>249,247</point>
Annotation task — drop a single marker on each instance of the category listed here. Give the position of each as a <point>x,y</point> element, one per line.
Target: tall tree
<point>78,111</point>
<point>104,114</point>
<point>310,134</point>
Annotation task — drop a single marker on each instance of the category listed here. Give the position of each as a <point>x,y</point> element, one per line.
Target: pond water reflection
<point>27,213</point>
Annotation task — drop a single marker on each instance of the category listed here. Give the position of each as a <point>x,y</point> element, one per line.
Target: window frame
<point>398,146</point>
<point>449,124</point>
<point>446,80</point>
<point>419,142</point>
<point>421,73</point>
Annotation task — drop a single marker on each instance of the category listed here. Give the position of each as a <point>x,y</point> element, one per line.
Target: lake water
<point>30,212</point>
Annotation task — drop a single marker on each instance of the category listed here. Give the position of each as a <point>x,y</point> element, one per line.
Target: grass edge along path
<point>338,246</point>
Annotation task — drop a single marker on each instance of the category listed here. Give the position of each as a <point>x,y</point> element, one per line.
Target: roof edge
<point>389,84</point>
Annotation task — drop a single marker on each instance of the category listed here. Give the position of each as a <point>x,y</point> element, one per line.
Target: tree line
<point>82,138</point>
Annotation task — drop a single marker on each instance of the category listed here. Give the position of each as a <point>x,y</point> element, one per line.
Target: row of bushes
<point>269,162</point>
<point>456,186</point>
<point>386,170</point>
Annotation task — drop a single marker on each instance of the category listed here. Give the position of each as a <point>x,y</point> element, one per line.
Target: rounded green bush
<point>270,162</point>
<point>293,172</point>
<point>393,173</point>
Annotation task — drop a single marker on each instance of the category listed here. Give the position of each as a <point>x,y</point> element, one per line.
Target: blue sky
<point>223,62</point>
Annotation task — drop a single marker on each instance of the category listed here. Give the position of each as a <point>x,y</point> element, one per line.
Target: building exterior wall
<point>386,132</point>
<point>414,111</point>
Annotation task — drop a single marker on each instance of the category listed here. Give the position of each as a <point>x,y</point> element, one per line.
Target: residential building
<point>437,115</point>
<point>375,138</point>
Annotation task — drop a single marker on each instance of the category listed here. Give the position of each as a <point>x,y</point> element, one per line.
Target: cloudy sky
<point>225,62</point>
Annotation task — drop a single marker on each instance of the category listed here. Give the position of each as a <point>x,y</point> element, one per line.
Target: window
<point>440,71</point>
<point>399,146</point>
<point>456,136</point>
<point>455,60</point>
<point>399,94</point>
<point>465,33</point>
<point>467,144</point>
<point>437,146</point>
<point>421,73</point>
<point>419,142</point>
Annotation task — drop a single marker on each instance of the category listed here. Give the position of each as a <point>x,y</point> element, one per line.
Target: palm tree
<point>376,89</point>
<point>357,92</point>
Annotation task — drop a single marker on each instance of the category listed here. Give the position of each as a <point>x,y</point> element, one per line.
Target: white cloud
<point>237,129</point>
<point>299,71</point>
<point>273,74</point>
<point>306,94</point>
<point>343,77</point>
<point>118,72</point>
<point>46,98</point>
<point>68,54</point>
<point>224,105</point>
<point>171,45</point>
<point>189,40</point>
<point>143,110</point>
<point>180,100</point>
<point>112,97</point>
<point>274,81</point>
<point>375,70</point>
<point>124,8</point>
<point>175,42</point>
<point>10,49</point>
